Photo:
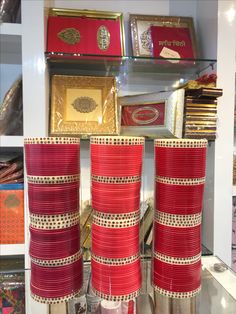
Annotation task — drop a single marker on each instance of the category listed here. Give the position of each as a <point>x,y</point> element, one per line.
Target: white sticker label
<point>169,54</point>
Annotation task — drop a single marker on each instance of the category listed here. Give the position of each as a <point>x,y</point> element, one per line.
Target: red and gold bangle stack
<point>180,175</point>
<point>116,167</point>
<point>53,173</point>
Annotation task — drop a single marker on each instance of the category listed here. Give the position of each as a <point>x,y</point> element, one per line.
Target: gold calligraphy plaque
<point>103,38</point>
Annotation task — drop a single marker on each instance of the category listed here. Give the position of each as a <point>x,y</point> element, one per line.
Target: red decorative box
<point>11,213</point>
<point>85,32</point>
<point>152,115</point>
<point>140,115</point>
<point>172,42</point>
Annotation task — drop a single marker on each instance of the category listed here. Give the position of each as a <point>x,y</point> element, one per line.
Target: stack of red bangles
<point>116,168</point>
<point>53,173</point>
<point>180,175</point>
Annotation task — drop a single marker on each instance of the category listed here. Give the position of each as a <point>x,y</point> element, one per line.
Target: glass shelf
<point>129,70</point>
<point>214,297</point>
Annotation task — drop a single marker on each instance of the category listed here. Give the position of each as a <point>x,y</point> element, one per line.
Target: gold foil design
<point>84,104</point>
<point>70,36</point>
<point>103,38</point>
<point>153,112</point>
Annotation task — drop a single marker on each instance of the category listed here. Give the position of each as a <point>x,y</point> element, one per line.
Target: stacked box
<point>200,113</point>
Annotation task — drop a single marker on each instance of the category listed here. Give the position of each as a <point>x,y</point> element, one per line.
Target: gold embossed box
<point>85,32</point>
<point>162,36</point>
<point>154,115</point>
<point>83,105</point>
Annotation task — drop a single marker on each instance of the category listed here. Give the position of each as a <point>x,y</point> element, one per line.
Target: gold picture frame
<point>83,106</point>
<point>93,14</point>
<point>141,37</point>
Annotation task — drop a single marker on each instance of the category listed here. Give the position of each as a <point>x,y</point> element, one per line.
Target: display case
<point>134,75</point>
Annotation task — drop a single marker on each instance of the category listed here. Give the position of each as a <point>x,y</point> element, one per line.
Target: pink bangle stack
<point>116,168</point>
<point>179,185</point>
<point>53,173</point>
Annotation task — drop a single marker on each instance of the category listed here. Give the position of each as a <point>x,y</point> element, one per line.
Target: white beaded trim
<point>58,262</point>
<point>113,223</point>
<point>116,180</point>
<point>55,300</point>
<point>177,295</point>
<point>50,222</point>
<point>111,216</point>
<point>115,261</point>
<point>53,179</point>
<point>109,297</point>
<point>181,143</point>
<point>180,181</point>
<point>51,140</point>
<point>177,260</point>
<point>173,220</point>
<point>116,140</point>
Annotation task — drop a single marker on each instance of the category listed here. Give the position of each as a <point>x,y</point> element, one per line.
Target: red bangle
<point>56,282</point>
<point>176,278</point>
<point>177,242</point>
<point>53,199</point>
<point>116,280</point>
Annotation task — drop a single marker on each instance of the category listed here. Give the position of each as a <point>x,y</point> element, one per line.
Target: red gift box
<point>143,115</point>
<point>172,42</point>
<point>84,35</point>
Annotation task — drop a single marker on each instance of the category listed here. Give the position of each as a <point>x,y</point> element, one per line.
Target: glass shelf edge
<point>54,56</point>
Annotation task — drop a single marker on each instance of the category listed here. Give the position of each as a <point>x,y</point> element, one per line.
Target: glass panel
<point>146,74</point>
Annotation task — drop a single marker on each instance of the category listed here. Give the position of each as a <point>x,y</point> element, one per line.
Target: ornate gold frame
<point>107,124</point>
<point>93,14</point>
<point>169,21</point>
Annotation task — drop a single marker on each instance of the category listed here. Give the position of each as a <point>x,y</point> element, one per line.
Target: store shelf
<point>10,29</point>
<point>11,141</point>
<point>12,249</point>
<point>10,43</point>
<point>130,70</point>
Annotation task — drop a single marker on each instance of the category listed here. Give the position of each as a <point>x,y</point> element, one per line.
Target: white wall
<point>207,28</point>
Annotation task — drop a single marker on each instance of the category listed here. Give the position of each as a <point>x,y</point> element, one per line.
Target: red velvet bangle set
<point>53,170</point>
<point>179,185</point>
<point>116,169</point>
<point>53,173</point>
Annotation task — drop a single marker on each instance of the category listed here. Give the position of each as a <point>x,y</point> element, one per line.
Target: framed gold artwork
<point>85,32</point>
<point>83,106</point>
<point>163,36</point>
